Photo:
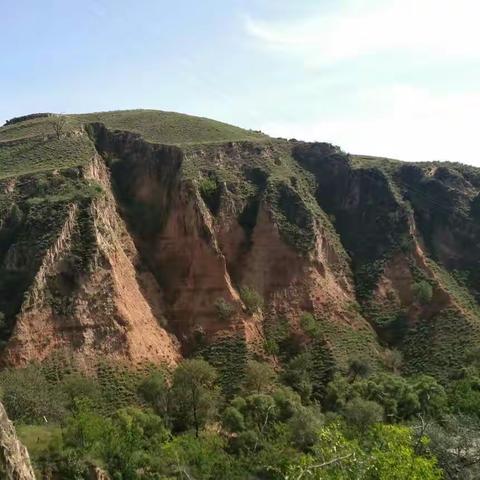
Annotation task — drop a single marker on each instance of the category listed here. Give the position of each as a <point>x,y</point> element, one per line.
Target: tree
<point>465,396</point>
<point>154,390</point>
<point>259,412</point>
<point>333,457</point>
<point>337,393</point>
<point>394,393</point>
<point>358,368</point>
<point>233,420</point>
<point>259,377</point>
<point>287,401</point>
<point>386,454</point>
<point>304,428</point>
<point>362,413</point>
<point>194,394</point>
<point>393,360</point>
<point>393,457</point>
<point>454,442</point>
<point>189,458</point>
<point>77,386</point>
<point>28,396</point>
<point>431,395</point>
<point>58,124</point>
<point>297,375</point>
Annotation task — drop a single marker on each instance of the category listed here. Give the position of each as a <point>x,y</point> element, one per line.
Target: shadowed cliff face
<point>142,254</point>
<point>407,227</point>
<point>367,215</point>
<point>445,205</point>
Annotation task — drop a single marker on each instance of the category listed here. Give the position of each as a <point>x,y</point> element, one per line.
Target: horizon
<point>340,72</point>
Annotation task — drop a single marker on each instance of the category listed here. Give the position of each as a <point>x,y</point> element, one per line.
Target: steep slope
<point>413,238</point>
<point>14,459</point>
<point>142,236</point>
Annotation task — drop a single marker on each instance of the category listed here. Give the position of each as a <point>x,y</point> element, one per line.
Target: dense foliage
<point>179,424</point>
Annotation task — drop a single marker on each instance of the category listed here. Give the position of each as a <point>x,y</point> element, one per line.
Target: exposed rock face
<point>99,474</point>
<point>14,458</point>
<point>128,257</point>
<point>85,296</point>
<point>403,226</point>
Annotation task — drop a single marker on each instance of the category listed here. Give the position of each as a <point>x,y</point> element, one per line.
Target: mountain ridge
<point>351,255</point>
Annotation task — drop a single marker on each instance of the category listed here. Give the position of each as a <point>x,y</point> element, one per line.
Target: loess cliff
<point>144,237</point>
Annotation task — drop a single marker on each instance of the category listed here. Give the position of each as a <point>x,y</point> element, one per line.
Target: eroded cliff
<point>147,251</point>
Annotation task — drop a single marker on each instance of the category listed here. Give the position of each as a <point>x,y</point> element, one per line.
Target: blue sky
<point>398,78</point>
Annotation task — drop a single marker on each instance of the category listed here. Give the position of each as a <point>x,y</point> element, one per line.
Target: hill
<point>144,235</point>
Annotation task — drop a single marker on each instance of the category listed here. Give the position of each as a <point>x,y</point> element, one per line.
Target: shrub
<point>309,325</point>
<point>393,360</point>
<point>358,367</point>
<point>208,187</point>
<point>363,413</point>
<point>233,420</point>
<point>224,309</point>
<point>422,291</point>
<point>210,192</point>
<point>304,427</point>
<point>252,299</point>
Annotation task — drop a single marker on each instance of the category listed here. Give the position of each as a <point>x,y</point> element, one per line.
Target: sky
<point>394,78</point>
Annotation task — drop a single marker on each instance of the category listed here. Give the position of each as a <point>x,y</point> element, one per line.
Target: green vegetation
<point>422,291</point>
<point>39,154</point>
<point>154,125</point>
<point>310,325</point>
<point>178,424</point>
<point>170,127</point>
<point>210,192</point>
<point>224,309</point>
<point>325,407</point>
<point>253,300</point>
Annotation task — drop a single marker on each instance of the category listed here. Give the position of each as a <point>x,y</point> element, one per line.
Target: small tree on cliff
<point>252,299</point>
<point>58,124</point>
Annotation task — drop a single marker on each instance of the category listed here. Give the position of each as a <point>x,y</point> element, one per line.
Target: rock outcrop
<point>14,458</point>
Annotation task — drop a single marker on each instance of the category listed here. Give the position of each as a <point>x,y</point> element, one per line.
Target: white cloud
<point>441,28</point>
<point>409,122</point>
<point>413,125</point>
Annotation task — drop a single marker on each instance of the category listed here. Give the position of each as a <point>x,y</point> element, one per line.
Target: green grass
<point>27,129</point>
<point>31,146</point>
<point>154,125</point>
<point>169,127</point>
<point>38,154</point>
